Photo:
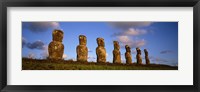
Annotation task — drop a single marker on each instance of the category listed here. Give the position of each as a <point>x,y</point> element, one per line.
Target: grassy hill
<point>37,64</point>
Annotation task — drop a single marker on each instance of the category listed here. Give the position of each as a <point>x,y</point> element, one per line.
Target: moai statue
<point>81,49</point>
<point>128,55</point>
<point>101,51</point>
<point>138,56</point>
<point>146,56</point>
<point>56,48</point>
<point>116,52</point>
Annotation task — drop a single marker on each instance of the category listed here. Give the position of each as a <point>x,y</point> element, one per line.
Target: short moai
<point>146,56</point>
<point>138,56</point>
<point>56,48</point>
<point>128,55</point>
<point>101,51</point>
<point>116,52</point>
<point>81,49</point>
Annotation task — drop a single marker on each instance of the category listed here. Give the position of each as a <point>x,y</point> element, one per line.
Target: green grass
<point>36,64</point>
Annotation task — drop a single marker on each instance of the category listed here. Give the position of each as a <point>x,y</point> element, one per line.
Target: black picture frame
<point>99,3</point>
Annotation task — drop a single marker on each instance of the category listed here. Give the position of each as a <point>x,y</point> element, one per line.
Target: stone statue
<point>101,51</point>
<point>138,56</point>
<point>81,49</point>
<point>57,35</point>
<point>146,56</point>
<point>116,52</point>
<point>56,48</point>
<point>128,55</point>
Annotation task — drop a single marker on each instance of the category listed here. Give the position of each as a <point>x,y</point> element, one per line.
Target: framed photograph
<point>128,45</point>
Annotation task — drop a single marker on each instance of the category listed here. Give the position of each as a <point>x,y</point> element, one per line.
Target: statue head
<point>82,40</point>
<point>138,50</point>
<point>57,35</point>
<point>128,49</point>
<point>116,45</point>
<point>145,51</point>
<point>100,42</point>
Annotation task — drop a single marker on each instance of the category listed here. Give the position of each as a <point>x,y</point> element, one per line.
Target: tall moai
<point>81,49</point>
<point>56,48</point>
<point>116,52</point>
<point>138,56</point>
<point>146,56</point>
<point>128,55</point>
<point>101,51</point>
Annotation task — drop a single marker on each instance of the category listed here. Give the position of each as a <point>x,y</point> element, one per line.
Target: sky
<point>159,38</point>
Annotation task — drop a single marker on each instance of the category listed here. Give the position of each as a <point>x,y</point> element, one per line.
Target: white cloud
<point>134,51</point>
<point>91,58</point>
<point>126,40</point>
<point>24,41</point>
<point>132,31</point>
<point>31,55</point>
<point>45,52</point>
<point>106,54</point>
<point>64,56</point>
<point>89,50</point>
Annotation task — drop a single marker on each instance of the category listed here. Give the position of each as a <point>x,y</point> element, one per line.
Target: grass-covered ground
<point>36,64</point>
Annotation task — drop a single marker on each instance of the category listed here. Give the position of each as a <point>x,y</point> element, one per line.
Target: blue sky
<point>159,38</point>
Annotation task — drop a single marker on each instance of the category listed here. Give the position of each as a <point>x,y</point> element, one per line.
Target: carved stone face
<point>145,51</point>
<point>82,40</point>
<point>55,50</point>
<point>100,42</point>
<point>128,49</point>
<point>138,50</point>
<point>57,35</point>
<point>116,45</point>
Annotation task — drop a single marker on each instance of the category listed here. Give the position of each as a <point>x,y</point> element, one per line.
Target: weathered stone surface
<point>138,56</point>
<point>56,48</point>
<point>146,56</point>
<point>116,52</point>
<point>57,35</point>
<point>128,55</point>
<point>81,49</point>
<point>101,51</point>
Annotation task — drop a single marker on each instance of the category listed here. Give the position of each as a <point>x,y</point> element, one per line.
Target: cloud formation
<point>160,60</point>
<point>44,54</point>
<point>127,25</point>
<point>134,51</point>
<point>157,59</point>
<point>131,32</point>
<point>64,56</point>
<point>90,50</point>
<point>128,30</point>
<point>31,55</point>
<point>38,27</point>
<point>166,52</point>
<point>91,57</point>
<point>24,41</point>
<point>126,40</point>
<point>36,45</point>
